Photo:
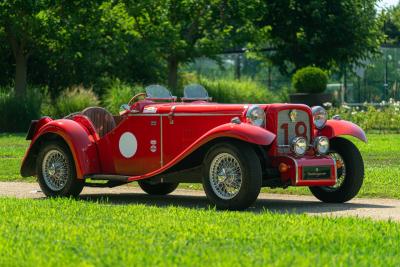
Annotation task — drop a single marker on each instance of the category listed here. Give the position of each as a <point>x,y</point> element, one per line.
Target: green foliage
<point>72,100</point>
<point>118,93</point>
<point>310,80</point>
<point>81,42</point>
<point>184,30</point>
<point>390,24</point>
<point>233,91</point>
<point>326,34</point>
<point>17,112</point>
<point>28,26</point>
<point>74,42</point>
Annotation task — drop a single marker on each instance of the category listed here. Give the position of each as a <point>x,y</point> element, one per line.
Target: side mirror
<point>123,108</point>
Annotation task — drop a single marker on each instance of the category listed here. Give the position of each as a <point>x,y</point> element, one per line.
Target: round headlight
<point>299,146</point>
<point>320,116</point>
<point>321,145</point>
<point>256,116</point>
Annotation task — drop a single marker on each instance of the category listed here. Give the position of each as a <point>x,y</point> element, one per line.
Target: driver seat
<point>101,118</point>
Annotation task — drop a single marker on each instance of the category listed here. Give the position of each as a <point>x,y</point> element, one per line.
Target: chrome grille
<point>288,127</point>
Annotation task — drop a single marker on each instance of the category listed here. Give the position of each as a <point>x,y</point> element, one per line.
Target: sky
<point>387,3</point>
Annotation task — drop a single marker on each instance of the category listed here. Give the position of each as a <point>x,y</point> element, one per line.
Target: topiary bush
<point>71,100</point>
<point>119,93</point>
<point>16,112</point>
<point>311,80</point>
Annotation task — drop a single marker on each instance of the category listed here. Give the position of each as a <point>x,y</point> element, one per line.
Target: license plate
<point>316,172</point>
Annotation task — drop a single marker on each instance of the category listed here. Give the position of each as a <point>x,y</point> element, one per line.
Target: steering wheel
<point>135,98</point>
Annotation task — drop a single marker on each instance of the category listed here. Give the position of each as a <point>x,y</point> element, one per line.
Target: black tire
<point>159,189</point>
<point>251,174</point>
<point>73,186</point>
<point>353,179</point>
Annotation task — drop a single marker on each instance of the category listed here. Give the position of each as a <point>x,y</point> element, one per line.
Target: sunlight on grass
<point>71,233</point>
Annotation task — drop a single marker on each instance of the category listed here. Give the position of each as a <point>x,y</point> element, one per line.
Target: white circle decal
<point>128,145</point>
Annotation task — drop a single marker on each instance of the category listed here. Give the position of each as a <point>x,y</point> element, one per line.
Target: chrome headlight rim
<point>299,146</point>
<point>318,143</point>
<point>256,116</point>
<point>320,116</point>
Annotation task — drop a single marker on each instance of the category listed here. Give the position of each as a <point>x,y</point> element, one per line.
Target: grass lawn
<point>381,155</point>
<point>83,233</point>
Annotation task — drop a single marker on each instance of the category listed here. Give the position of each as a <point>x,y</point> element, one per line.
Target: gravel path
<point>378,209</point>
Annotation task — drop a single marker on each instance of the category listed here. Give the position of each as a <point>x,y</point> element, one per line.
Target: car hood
<point>204,107</point>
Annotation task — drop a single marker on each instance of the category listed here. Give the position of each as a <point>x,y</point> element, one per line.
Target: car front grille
<point>292,126</point>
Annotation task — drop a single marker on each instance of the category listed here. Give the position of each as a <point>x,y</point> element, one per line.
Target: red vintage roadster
<point>232,149</point>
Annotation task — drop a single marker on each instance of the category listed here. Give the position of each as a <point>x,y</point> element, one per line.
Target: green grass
<point>12,150</point>
<point>381,156</point>
<point>82,233</point>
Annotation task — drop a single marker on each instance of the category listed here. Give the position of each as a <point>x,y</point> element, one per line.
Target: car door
<point>133,148</point>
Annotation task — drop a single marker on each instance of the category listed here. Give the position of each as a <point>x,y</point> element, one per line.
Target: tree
<point>93,39</point>
<point>390,21</point>
<point>67,42</point>
<point>326,34</point>
<point>26,25</point>
<point>181,30</point>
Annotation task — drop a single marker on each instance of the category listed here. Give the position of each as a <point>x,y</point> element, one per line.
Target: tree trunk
<point>21,60</point>
<point>21,68</point>
<point>173,73</point>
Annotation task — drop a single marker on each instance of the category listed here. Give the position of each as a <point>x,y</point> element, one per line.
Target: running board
<point>108,184</point>
<point>109,177</point>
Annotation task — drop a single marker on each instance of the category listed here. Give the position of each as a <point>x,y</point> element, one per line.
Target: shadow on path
<point>200,202</point>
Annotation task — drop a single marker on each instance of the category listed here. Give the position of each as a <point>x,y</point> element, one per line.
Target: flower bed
<point>381,118</point>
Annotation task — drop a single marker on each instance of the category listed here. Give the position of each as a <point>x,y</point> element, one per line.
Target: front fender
<point>334,128</point>
<point>79,140</point>
<point>243,131</point>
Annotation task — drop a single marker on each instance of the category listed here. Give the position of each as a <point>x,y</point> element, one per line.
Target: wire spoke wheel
<point>225,176</point>
<point>232,175</point>
<point>350,173</point>
<point>55,170</point>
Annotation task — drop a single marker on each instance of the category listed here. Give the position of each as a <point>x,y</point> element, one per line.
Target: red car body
<point>168,133</point>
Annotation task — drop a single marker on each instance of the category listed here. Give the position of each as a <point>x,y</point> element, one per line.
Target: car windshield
<point>158,91</point>
<point>195,91</point>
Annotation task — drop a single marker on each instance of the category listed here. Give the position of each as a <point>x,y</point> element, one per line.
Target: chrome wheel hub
<point>55,170</point>
<point>225,176</point>
<point>341,172</point>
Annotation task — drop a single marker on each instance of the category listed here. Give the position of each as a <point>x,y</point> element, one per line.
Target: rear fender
<point>79,139</point>
<point>243,131</point>
<point>335,128</point>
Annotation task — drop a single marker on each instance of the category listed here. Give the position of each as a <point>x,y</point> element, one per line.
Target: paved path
<point>379,209</point>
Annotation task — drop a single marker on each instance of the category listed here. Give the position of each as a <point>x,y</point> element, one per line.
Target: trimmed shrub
<point>16,113</point>
<point>119,93</point>
<point>232,91</point>
<point>71,100</point>
<point>311,80</point>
